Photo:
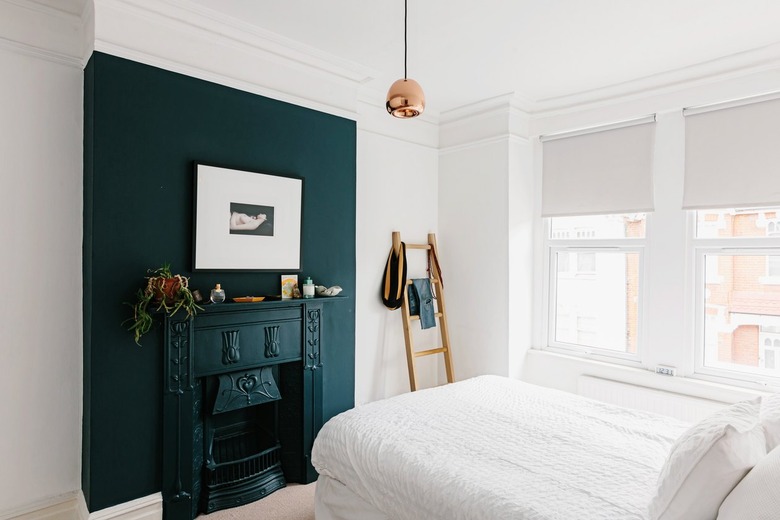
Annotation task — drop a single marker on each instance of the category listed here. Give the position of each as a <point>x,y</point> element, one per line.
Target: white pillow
<point>770,419</point>
<point>707,462</point>
<point>757,497</point>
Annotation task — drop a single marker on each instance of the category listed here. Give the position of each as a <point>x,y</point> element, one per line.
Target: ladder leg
<point>442,308</point>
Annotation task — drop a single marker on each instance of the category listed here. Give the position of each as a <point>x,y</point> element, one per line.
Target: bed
<point>490,448</point>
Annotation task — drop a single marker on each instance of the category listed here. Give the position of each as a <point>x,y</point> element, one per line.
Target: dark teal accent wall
<point>144,128</point>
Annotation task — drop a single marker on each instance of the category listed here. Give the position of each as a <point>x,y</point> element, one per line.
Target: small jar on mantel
<point>217,294</point>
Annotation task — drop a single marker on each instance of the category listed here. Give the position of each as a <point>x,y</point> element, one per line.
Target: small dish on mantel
<point>249,299</point>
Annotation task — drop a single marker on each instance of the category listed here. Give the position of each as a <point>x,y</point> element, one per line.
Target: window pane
<point>736,223</point>
<point>742,315</point>
<point>773,266</point>
<point>599,310</point>
<point>598,226</point>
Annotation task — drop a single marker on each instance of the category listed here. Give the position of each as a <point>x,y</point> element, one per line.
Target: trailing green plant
<point>164,292</point>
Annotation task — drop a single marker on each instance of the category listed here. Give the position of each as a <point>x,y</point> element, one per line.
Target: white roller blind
<point>600,171</point>
<point>732,156</point>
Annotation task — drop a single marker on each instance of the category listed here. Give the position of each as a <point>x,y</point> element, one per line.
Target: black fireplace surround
<point>242,402</point>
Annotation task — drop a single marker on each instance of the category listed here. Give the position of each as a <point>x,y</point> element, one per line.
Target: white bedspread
<point>497,448</point>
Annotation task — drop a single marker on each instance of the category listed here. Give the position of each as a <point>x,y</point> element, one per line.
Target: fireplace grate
<point>244,465</point>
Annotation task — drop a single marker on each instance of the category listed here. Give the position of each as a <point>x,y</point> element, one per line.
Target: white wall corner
<point>87,32</point>
<point>145,508</point>
<point>521,229</point>
<point>185,38</point>
<point>490,120</point>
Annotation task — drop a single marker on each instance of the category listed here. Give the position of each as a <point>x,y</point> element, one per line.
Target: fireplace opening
<point>242,454</point>
<point>243,465</point>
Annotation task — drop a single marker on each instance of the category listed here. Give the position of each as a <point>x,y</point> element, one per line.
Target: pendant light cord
<point>405,11</point>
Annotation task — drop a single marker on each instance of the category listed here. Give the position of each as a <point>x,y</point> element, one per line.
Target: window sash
<point>553,247</point>
<point>732,246</point>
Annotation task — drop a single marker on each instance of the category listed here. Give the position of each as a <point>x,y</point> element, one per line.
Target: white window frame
<point>729,246</point>
<point>774,339</point>
<point>553,246</point>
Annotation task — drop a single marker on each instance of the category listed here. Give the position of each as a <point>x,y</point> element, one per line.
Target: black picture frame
<point>246,220</point>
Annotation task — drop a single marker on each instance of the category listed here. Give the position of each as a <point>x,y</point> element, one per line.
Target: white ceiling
<point>546,51</point>
<point>550,53</point>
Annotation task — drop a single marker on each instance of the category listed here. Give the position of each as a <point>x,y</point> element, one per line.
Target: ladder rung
<point>433,280</point>
<point>416,318</point>
<point>418,246</point>
<point>430,352</point>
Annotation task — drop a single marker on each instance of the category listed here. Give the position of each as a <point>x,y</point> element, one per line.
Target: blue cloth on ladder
<point>421,302</point>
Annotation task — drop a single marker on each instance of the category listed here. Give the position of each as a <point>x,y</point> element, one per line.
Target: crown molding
<point>484,108</point>
<point>37,52</point>
<point>189,39</point>
<point>701,74</point>
<point>46,9</point>
<point>40,31</point>
<point>486,141</point>
<point>483,122</point>
<point>219,24</point>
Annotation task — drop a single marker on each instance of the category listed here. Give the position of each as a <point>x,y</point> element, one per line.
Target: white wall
<point>486,201</point>
<point>397,190</point>
<point>41,230</point>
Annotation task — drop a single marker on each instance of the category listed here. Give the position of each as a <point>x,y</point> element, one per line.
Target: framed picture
<point>246,221</point>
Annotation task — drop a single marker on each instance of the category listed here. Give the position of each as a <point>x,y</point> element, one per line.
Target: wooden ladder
<point>441,311</point>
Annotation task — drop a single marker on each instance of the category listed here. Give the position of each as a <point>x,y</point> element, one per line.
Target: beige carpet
<point>294,502</point>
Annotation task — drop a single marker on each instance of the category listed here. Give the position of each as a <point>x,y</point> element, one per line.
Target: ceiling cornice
<point>41,31</point>
<point>192,40</point>
<point>45,9</point>
<point>178,13</point>
<point>713,71</point>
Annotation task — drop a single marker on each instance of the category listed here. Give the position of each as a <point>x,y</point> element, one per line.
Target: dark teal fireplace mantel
<point>235,340</point>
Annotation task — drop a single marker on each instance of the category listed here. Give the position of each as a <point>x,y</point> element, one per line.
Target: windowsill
<point>769,280</point>
<point>562,371</point>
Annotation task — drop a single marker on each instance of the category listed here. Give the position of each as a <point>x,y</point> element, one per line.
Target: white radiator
<point>680,406</point>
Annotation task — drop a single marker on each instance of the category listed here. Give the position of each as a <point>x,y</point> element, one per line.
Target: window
<point>595,284</point>
<point>773,227</point>
<point>738,294</point>
<point>769,351</point>
<point>773,266</point>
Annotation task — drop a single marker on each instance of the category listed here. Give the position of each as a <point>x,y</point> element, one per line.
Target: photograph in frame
<point>246,220</point>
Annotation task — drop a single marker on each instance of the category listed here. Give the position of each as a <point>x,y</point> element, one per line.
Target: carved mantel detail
<point>313,359</point>
<point>230,348</point>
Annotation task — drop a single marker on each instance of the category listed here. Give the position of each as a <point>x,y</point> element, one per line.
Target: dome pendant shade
<point>405,99</point>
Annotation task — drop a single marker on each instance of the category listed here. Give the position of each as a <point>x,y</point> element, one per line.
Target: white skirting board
<point>72,506</point>
<point>680,406</point>
<point>63,507</point>
<point>145,508</point>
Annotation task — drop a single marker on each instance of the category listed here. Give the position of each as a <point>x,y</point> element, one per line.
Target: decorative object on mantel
<point>289,285</point>
<point>217,294</point>
<point>165,292</point>
<point>308,288</point>
<point>321,290</point>
<point>405,99</point>
<point>249,299</point>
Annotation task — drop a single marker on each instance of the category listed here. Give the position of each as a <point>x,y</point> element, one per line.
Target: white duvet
<point>496,448</point>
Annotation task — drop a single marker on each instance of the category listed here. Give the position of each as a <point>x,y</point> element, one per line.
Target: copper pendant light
<point>405,99</point>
